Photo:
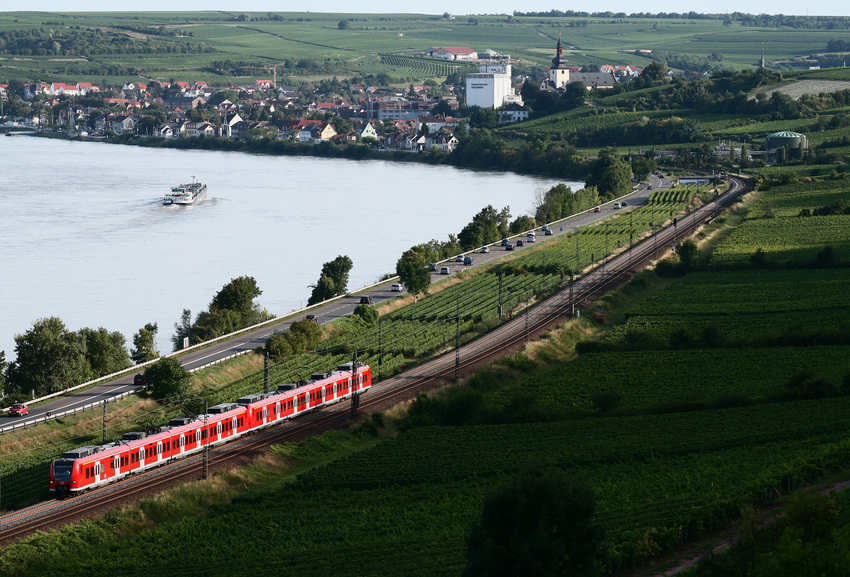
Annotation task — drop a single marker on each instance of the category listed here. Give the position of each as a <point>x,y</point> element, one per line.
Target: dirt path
<point>716,544</point>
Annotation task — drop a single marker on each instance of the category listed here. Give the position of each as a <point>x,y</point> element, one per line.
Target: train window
<point>112,466</point>
<point>87,473</point>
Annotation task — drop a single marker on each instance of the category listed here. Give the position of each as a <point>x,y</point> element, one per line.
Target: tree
<point>538,524</point>
<point>333,280</point>
<point>522,223</point>
<point>3,366</point>
<point>412,270</point>
<point>367,314</point>
<point>182,330</point>
<point>484,117</point>
<point>688,255</point>
<point>238,296</point>
<point>144,344</point>
<point>642,167</point>
<point>106,352</point>
<point>168,380</point>
<point>487,226</point>
<point>342,25</point>
<point>49,358</point>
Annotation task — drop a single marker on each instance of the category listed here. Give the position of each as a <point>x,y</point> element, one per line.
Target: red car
<point>597,209</point>
<point>19,410</point>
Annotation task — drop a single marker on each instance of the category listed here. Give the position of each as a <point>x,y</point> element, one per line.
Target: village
<point>411,118</point>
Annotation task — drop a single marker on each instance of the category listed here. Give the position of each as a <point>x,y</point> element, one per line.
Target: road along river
<point>85,237</point>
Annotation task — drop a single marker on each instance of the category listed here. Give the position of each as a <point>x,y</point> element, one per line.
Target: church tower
<point>559,74</point>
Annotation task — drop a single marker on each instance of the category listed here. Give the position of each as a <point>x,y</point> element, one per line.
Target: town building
<point>560,75</point>
<point>491,87</point>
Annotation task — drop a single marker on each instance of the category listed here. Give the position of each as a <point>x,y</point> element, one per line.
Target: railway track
<point>509,336</point>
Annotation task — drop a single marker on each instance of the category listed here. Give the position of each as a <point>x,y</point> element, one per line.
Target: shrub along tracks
<point>508,337</point>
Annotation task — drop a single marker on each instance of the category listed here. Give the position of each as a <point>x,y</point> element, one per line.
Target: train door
<point>142,457</point>
<point>180,443</point>
<point>265,414</point>
<point>116,465</point>
<point>218,431</point>
<point>97,469</point>
<point>159,451</point>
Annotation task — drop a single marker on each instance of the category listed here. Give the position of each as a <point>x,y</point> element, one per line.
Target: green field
<point>284,38</point>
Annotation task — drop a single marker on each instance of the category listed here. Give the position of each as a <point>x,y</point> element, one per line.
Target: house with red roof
<point>452,53</point>
<point>87,88</point>
<point>60,88</point>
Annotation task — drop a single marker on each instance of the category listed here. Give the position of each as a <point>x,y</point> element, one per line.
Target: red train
<point>94,466</point>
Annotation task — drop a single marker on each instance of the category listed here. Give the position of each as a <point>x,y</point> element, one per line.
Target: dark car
<point>547,232</point>
<point>509,246</point>
<point>365,300</point>
<point>432,267</point>
<point>139,380</point>
<point>519,243</point>
<point>467,261</point>
<point>505,242</point>
<point>311,318</point>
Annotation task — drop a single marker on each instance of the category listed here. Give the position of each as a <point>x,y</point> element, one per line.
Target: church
<point>560,75</point>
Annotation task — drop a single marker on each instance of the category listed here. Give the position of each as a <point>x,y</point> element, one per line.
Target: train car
<point>93,466</point>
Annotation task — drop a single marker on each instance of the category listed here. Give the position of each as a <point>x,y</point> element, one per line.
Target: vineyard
<point>651,379</point>
<point>407,504</point>
<point>785,240</point>
<point>789,199</point>
<point>425,67</point>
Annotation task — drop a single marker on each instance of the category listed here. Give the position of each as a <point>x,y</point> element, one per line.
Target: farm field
<point>410,501</point>
<point>786,240</point>
<point>654,379</point>
<point>284,38</point>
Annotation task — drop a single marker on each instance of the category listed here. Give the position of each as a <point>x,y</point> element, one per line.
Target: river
<point>84,235</point>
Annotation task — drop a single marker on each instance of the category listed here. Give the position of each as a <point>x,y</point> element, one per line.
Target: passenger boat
<point>186,193</point>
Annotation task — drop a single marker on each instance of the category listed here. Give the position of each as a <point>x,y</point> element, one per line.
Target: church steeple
<point>559,61</point>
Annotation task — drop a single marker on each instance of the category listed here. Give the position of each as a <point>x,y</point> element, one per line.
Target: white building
<point>560,75</point>
<point>491,87</point>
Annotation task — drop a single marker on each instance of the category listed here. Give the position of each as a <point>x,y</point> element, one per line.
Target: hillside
<point>677,420</point>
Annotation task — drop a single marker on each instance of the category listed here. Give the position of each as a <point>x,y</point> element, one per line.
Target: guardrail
<point>278,319</point>
<point>74,411</point>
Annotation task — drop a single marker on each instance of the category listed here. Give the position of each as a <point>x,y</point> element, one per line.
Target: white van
<point>616,205</point>
<point>396,288</point>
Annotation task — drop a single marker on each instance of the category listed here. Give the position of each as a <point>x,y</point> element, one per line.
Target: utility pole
<point>572,302</point>
<point>266,373</point>
<point>457,337</point>
<point>380,349</point>
<point>500,292</point>
<point>355,392</point>
<point>207,443</point>
<point>527,310</point>
<point>104,422</point>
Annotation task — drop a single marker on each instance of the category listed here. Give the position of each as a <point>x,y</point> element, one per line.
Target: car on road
<point>19,410</point>
<point>616,206</point>
<point>509,246</point>
<point>485,249</point>
<point>444,270</point>
<point>649,187</point>
<point>505,242</point>
<point>544,228</point>
<point>624,203</point>
<point>139,380</point>
<point>467,261</point>
<point>311,318</point>
<point>547,232</point>
<point>432,267</point>
<point>519,243</point>
<point>396,288</point>
<point>365,300</point>
<point>597,209</point>
<point>459,258</point>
